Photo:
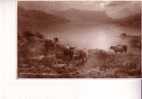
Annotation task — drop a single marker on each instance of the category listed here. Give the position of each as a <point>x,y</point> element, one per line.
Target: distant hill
<point>36,20</point>
<point>130,21</point>
<point>77,16</point>
<point>83,16</point>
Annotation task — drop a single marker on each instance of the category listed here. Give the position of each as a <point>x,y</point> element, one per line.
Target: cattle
<point>72,56</point>
<point>80,56</point>
<point>134,41</point>
<point>39,35</point>
<point>67,54</point>
<point>119,48</point>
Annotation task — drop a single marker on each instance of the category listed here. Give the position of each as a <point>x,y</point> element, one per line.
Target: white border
<point>12,88</point>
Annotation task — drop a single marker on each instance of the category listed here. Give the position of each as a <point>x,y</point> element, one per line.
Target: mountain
<point>83,16</point>
<point>36,20</point>
<point>77,16</point>
<point>130,21</point>
<point>39,20</point>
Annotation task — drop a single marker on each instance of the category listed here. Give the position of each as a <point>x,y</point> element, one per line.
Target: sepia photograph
<point>79,39</point>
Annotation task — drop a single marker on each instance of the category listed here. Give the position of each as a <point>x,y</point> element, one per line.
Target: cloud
<point>61,5</point>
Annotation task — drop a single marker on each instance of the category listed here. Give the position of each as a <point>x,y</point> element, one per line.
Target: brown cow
<point>81,57</point>
<point>119,48</point>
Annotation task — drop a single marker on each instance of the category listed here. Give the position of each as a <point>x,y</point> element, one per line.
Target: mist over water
<point>88,25</point>
<point>89,36</point>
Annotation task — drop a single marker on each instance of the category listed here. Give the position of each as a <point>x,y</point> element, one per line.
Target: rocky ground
<point>89,70</point>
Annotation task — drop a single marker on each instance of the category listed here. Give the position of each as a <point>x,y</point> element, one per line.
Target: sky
<point>111,8</point>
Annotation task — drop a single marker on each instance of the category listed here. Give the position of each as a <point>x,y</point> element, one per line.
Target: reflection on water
<point>90,36</point>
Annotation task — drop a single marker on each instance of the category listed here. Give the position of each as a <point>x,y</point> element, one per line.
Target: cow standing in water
<point>119,48</point>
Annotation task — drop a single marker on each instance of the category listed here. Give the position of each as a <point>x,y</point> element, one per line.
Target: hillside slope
<point>37,20</point>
